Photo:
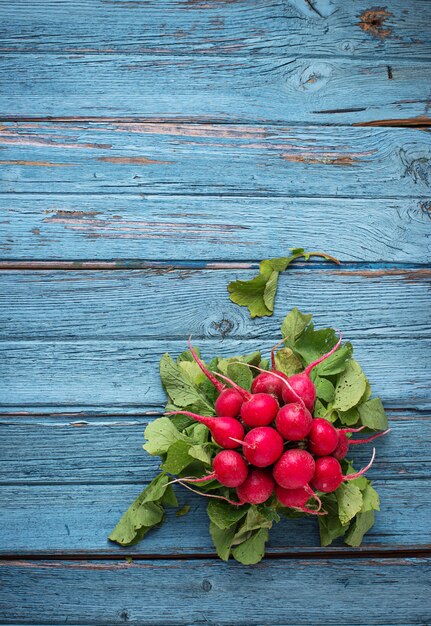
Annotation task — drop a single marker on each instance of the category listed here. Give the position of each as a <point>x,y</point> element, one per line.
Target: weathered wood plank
<point>213,159</point>
<point>364,302</point>
<point>44,226</point>
<point>235,28</point>
<point>110,450</point>
<point>77,519</point>
<point>247,88</point>
<point>122,373</point>
<point>199,592</point>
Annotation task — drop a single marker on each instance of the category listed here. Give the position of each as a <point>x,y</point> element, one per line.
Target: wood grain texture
<point>214,159</point>
<point>207,592</point>
<point>196,137</point>
<point>127,305</point>
<point>227,28</point>
<point>77,519</point>
<point>33,447</point>
<point>126,226</point>
<point>121,373</point>
<point>243,89</point>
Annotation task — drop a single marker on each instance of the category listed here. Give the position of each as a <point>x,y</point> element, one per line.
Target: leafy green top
<point>186,449</point>
<point>258,293</point>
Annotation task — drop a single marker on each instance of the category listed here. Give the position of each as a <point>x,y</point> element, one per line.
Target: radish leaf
<point>258,293</point>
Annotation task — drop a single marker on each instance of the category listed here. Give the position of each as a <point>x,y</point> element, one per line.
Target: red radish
<point>302,383</point>
<point>257,487</point>
<point>328,475</point>
<point>294,421</point>
<point>229,468</point>
<point>229,401</point>
<point>284,381</point>
<point>225,430</point>
<point>294,469</point>
<point>266,382</point>
<point>269,382</point>
<point>344,442</point>
<point>342,446</point>
<point>298,498</point>
<point>323,437</point>
<point>262,446</point>
<point>258,409</point>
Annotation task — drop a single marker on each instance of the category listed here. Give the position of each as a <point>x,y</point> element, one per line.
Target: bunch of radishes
<point>284,448</point>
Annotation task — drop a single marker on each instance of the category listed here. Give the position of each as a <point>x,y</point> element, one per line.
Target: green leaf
<point>315,343</point>
<point>143,514</point>
<point>250,293</point>
<point>181,422</point>
<point>350,417</point>
<point>287,362</point>
<point>270,291</point>
<point>187,356</point>
<point>160,435</point>
<point>155,490</point>
<point>183,510</point>
<point>371,500</point>
<point>197,433</point>
<point>366,394</point>
<point>180,388</point>
<point>223,514</point>
<point>294,325</point>
<point>372,414</point>
<point>361,525</point>
<point>192,371</point>
<point>253,549</point>
<point>258,293</point>
<point>320,410</point>
<point>349,499</point>
<point>135,524</point>
<point>348,468</point>
<point>241,375</point>
<point>178,457</point>
<point>330,527</point>
<point>264,364</point>
<point>249,359</point>
<point>149,514</point>
<point>257,517</point>
<point>222,539</point>
<point>351,385</point>
<point>206,387</point>
<point>324,389</point>
<point>268,266</point>
<point>169,498</point>
<point>201,453</point>
<point>336,363</point>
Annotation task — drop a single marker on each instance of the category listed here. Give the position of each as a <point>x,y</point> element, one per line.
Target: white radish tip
<point>312,511</point>
<point>363,470</point>
<point>209,495</point>
<point>243,443</point>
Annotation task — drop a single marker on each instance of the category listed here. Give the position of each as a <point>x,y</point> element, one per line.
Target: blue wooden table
<point>151,151</point>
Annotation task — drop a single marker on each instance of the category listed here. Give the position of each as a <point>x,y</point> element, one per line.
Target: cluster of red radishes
<point>277,413</point>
